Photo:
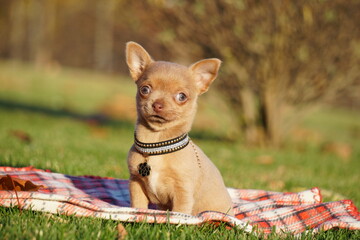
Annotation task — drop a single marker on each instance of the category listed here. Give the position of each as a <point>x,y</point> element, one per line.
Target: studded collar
<point>164,147</point>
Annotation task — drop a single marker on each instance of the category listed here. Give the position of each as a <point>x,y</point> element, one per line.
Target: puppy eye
<point>145,90</point>
<point>181,97</point>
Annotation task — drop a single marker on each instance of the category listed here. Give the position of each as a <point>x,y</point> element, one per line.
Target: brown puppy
<point>166,168</point>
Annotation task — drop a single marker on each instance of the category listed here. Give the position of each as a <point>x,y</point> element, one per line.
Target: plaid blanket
<point>109,198</point>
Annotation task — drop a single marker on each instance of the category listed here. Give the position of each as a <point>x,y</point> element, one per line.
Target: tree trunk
<point>272,116</point>
<point>17,29</point>
<point>253,134</point>
<point>41,31</point>
<point>104,41</point>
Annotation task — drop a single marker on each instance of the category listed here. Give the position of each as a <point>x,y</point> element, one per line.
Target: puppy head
<point>167,92</point>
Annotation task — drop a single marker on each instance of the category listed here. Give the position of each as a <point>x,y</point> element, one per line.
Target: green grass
<point>52,108</point>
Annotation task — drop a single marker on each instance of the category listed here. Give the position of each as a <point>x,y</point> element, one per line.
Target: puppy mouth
<point>157,118</point>
<point>154,117</point>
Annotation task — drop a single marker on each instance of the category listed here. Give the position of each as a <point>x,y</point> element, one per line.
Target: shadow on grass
<point>98,119</point>
<point>15,164</point>
<point>210,136</point>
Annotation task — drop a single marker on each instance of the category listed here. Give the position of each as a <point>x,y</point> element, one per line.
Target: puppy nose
<point>157,106</point>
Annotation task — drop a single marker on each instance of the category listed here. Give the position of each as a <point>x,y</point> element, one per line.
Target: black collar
<point>163,147</point>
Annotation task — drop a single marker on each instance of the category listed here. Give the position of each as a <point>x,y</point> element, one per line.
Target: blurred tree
<point>104,31</point>
<point>31,30</point>
<point>36,23</point>
<point>18,25</point>
<point>279,56</point>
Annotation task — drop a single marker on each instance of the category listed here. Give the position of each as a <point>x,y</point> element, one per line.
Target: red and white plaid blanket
<point>109,198</point>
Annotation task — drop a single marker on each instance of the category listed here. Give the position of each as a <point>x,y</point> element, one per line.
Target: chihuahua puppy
<point>166,167</point>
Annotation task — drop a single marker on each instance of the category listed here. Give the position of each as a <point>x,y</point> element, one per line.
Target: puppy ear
<point>205,72</point>
<point>137,59</point>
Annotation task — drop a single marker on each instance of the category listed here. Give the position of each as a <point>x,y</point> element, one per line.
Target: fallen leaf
<point>264,160</point>
<point>277,185</point>
<point>305,135</point>
<point>21,135</point>
<point>98,132</point>
<point>16,184</point>
<point>341,150</point>
<point>122,233</point>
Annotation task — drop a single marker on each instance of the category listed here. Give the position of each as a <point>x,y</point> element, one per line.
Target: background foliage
<point>280,57</point>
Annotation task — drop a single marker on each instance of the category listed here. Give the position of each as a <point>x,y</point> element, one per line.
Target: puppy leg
<point>183,201</point>
<point>137,195</point>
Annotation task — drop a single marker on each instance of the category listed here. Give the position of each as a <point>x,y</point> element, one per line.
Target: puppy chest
<point>153,182</point>
<point>158,189</point>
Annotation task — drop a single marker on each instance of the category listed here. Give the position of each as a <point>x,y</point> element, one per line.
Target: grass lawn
<point>50,119</point>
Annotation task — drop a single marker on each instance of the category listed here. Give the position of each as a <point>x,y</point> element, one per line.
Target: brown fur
<point>176,181</point>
